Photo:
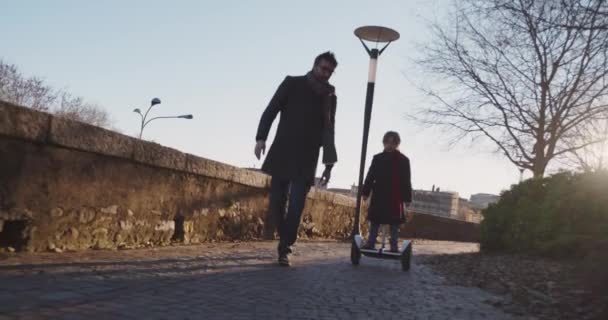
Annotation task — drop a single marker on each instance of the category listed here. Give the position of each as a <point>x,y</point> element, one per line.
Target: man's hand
<point>326,174</point>
<point>260,148</point>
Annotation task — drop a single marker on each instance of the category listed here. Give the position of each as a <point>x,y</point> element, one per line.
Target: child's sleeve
<point>407,181</point>
<point>369,179</point>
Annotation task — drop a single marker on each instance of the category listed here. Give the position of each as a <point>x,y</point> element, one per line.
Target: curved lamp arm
<point>185,116</point>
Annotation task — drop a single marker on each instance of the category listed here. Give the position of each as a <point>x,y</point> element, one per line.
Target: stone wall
<point>66,185</point>
<point>427,226</point>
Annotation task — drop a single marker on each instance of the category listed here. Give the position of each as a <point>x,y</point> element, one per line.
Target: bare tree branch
<point>519,78</point>
<point>36,94</point>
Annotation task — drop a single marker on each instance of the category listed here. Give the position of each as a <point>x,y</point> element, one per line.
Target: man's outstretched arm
<point>277,103</point>
<point>330,155</point>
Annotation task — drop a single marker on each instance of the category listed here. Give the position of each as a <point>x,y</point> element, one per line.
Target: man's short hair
<point>391,136</point>
<point>327,56</point>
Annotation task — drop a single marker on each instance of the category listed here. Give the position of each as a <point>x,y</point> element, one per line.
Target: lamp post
<point>145,122</point>
<point>374,34</point>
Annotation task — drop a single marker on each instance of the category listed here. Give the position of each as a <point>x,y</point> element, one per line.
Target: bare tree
<point>30,92</point>
<point>512,74</point>
<point>36,94</point>
<point>585,8</point>
<point>75,108</point>
<point>593,156</point>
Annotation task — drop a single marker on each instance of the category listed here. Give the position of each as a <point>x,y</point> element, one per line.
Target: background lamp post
<point>145,122</point>
<point>377,35</point>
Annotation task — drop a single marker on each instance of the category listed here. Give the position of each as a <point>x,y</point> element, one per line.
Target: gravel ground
<point>536,287</point>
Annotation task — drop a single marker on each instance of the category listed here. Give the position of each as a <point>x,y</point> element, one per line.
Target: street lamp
<point>374,34</point>
<point>144,122</point>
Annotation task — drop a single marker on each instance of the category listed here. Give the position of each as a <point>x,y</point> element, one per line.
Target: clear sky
<point>222,61</point>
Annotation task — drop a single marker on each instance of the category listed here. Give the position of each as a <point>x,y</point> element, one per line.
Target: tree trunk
<point>539,168</point>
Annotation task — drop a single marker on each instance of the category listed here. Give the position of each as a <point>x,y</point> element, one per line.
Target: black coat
<point>389,182</point>
<point>302,130</point>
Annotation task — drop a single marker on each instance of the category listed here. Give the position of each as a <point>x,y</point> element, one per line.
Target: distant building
<point>483,200</point>
<point>435,202</point>
<point>352,192</point>
<point>464,206</point>
<point>468,212</point>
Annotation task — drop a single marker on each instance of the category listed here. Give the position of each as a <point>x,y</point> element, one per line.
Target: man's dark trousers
<point>287,221</point>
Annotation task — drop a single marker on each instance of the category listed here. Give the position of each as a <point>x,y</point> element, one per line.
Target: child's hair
<point>391,136</point>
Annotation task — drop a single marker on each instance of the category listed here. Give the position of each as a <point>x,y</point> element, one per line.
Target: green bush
<point>564,214</point>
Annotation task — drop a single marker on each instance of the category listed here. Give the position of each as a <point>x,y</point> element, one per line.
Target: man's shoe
<point>284,255</point>
<point>394,249</point>
<point>284,259</point>
<point>284,249</point>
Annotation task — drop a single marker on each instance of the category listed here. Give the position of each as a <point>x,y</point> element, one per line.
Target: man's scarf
<point>327,92</point>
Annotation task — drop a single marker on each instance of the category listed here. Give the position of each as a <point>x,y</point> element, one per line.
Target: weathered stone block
<point>126,225</point>
<point>209,168</point>
<point>331,197</point>
<point>113,209</point>
<point>157,155</point>
<point>251,178</point>
<point>188,230</point>
<point>73,233</point>
<point>85,137</point>
<point>23,123</point>
<point>167,225</point>
<point>56,212</point>
<point>86,215</point>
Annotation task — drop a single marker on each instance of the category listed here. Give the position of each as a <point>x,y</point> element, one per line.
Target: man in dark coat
<point>389,182</point>
<point>308,107</point>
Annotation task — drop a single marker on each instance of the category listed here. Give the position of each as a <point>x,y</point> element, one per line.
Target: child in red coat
<point>389,182</point>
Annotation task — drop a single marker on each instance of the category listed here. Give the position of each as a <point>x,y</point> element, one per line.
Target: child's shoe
<point>368,246</point>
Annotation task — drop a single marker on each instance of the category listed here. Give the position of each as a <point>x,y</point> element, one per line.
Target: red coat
<point>389,182</point>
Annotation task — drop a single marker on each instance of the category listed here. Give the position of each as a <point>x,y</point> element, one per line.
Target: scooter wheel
<point>355,254</point>
<point>406,258</point>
